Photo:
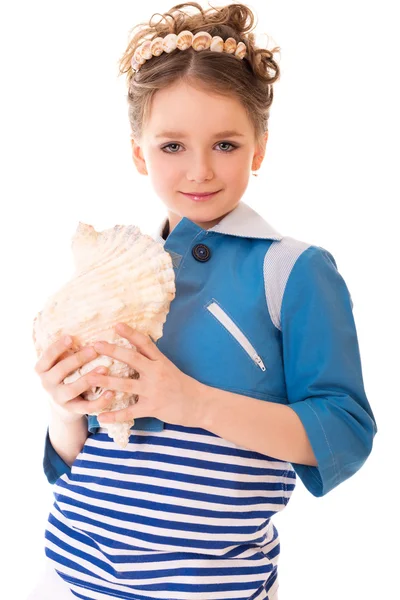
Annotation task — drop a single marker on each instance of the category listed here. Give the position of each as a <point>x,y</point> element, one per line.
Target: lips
<point>200,197</point>
<point>199,193</point>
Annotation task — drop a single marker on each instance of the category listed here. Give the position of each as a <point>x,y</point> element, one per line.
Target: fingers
<point>143,342</point>
<point>64,392</point>
<point>119,416</point>
<point>121,384</point>
<point>90,407</point>
<point>128,356</point>
<point>52,354</point>
<point>66,366</point>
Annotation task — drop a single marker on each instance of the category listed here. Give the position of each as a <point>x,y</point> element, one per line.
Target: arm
<point>323,371</point>
<point>64,441</point>
<point>67,439</point>
<point>328,427</point>
<point>54,464</point>
<point>266,427</point>
<point>68,429</point>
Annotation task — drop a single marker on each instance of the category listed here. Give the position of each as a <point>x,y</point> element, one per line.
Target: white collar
<point>242,221</point>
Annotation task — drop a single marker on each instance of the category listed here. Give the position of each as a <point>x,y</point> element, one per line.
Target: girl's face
<point>194,156</point>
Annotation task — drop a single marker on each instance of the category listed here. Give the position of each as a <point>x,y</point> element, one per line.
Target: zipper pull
<point>259,362</point>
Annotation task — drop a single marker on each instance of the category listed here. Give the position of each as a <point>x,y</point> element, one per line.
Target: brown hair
<point>249,80</point>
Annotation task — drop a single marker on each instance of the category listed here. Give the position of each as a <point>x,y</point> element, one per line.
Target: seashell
<point>230,45</point>
<point>156,46</point>
<point>135,65</point>
<point>137,56</point>
<point>201,41</point>
<point>184,40</point>
<point>241,50</point>
<point>145,50</point>
<point>120,275</point>
<point>217,44</point>
<point>169,42</point>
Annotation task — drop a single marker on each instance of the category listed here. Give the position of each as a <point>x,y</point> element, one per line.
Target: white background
<point>328,178</point>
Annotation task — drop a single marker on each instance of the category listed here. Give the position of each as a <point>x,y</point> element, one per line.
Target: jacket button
<point>201,252</point>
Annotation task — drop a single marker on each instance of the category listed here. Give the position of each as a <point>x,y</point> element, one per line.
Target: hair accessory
<point>184,40</point>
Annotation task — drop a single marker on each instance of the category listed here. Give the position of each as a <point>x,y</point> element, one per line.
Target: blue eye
<point>167,146</point>
<point>233,146</point>
<point>229,144</point>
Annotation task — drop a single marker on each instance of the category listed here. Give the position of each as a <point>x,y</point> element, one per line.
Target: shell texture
<point>241,50</point>
<point>201,41</point>
<point>145,50</point>
<point>217,44</point>
<point>230,45</point>
<point>184,40</point>
<point>120,275</point>
<point>134,64</point>
<point>169,42</point>
<point>156,46</point>
<point>138,57</point>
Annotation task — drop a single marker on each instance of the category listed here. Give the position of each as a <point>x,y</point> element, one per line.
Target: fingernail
<point>101,370</point>
<point>99,346</point>
<point>90,352</point>
<point>108,395</point>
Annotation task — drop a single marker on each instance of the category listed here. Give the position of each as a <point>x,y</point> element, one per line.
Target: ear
<point>138,157</point>
<point>259,153</point>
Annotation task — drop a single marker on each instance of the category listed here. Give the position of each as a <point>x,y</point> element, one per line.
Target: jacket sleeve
<point>53,464</point>
<point>323,371</point>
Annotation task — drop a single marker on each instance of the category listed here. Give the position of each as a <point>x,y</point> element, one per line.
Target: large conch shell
<point>121,276</point>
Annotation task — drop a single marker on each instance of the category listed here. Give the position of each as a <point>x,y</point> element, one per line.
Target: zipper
<point>227,322</point>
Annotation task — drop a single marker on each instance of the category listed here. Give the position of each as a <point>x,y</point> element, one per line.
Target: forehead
<point>189,110</point>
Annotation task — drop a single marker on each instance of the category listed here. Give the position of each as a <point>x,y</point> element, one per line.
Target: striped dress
<point>179,514</point>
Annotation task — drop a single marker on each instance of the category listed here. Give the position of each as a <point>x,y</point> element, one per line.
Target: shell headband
<point>185,39</point>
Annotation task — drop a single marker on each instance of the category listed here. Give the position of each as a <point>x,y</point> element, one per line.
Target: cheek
<point>235,170</point>
<point>162,161</point>
<point>161,172</point>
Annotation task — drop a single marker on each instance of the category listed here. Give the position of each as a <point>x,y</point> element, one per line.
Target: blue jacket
<point>270,317</point>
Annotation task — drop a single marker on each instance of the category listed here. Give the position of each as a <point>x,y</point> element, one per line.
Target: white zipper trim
<point>221,315</point>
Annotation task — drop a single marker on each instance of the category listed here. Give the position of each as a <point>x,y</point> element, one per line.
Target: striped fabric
<point>180,514</point>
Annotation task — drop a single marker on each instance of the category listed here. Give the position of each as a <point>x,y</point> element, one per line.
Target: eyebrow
<point>179,134</point>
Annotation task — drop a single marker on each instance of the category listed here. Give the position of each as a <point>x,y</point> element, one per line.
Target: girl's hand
<point>164,391</point>
<point>56,363</point>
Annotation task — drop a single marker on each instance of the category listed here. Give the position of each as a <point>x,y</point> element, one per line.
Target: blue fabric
<point>144,423</point>
<point>53,464</point>
<point>311,364</point>
<point>323,371</point>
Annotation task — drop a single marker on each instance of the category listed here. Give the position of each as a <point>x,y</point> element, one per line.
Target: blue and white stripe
<point>180,514</point>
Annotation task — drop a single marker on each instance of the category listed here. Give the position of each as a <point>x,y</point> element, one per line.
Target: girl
<point>257,378</point>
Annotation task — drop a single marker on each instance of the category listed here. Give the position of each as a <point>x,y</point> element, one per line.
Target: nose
<point>200,169</point>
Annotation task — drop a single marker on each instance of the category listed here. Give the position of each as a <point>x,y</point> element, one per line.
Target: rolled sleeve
<point>93,424</point>
<point>323,371</point>
<point>53,464</point>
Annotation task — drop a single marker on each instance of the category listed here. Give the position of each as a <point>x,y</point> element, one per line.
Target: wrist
<point>67,437</point>
<point>202,406</point>
<point>62,416</point>
<point>61,423</point>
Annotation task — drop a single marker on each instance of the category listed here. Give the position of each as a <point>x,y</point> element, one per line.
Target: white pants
<point>52,587</point>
